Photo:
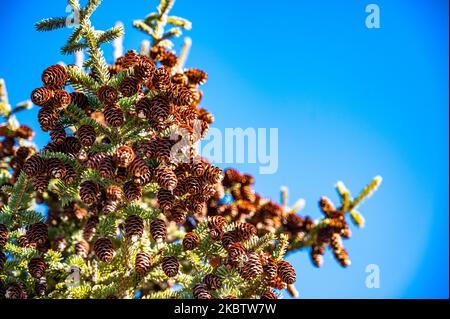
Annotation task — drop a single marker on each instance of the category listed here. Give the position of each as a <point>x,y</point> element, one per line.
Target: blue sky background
<point>350,103</point>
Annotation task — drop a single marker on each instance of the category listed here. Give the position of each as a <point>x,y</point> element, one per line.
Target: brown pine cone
<point>143,263</point>
<point>107,95</point>
<point>80,100</point>
<point>269,295</point>
<point>178,215</point>
<point>40,183</point>
<point>95,160</point>
<point>213,174</point>
<point>40,288</point>
<point>166,178</point>
<point>113,115</point>
<point>245,231</point>
<point>104,249</point>
<point>86,135</point>
<point>59,243</point>
<point>61,99</point>
<point>114,193</point>
<point>144,68</point>
<point>2,259</point>
<point>271,268</point>
<point>212,281</point>
<point>217,222</point>
<point>55,76</point>
<point>71,175</point>
<point>56,168</point>
<point>236,251</point>
<point>124,156</point>
<point>24,242</point>
<point>35,165</point>
<point>58,134</point>
<point>158,230</point>
<point>37,233</point>
<point>252,267</point>
<point>200,291</point>
<point>89,192</point>
<point>37,267</point>
<point>129,86</point>
<point>196,76</point>
<point>90,228</point>
<point>132,191</point>
<point>316,253</point>
<point>286,272</point>
<point>191,241</point>
<point>3,235</point>
<point>107,167</point>
<point>82,248</point>
<point>326,206</point>
<point>15,291</point>
<point>41,96</point>
<point>71,145</point>
<point>134,227</point>
<point>161,79</point>
<point>131,58</point>
<point>138,168</point>
<point>24,131</point>
<point>165,199</point>
<point>170,266</point>
<point>229,238</point>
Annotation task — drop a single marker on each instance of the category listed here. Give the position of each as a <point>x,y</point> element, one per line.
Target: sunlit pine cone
<point>132,191</point>
<point>15,291</point>
<point>143,107</point>
<point>58,134</point>
<point>278,283</point>
<point>23,242</point>
<point>95,160</point>
<point>190,241</point>
<point>169,59</point>
<point>55,76</point>
<point>61,99</point>
<point>198,169</point>
<point>271,268</point>
<point>71,175</point>
<point>90,228</point>
<point>158,109</point>
<point>134,227</point>
<point>47,118</point>
<point>110,206</point>
<point>142,263</point>
<point>37,267</point>
<point>213,174</point>
<point>236,251</point>
<point>166,178</point>
<point>144,69</point>
<point>56,168</point>
<point>3,235</point>
<point>252,267</point>
<point>182,96</point>
<point>196,76</point>
<point>25,132</point>
<point>80,100</point>
<point>124,156</point>
<point>248,194</point>
<point>71,145</point>
<point>212,281</point>
<point>286,272</point>
<point>129,86</point>
<point>40,287</point>
<point>41,96</point>
<point>86,135</point>
<point>269,294</point>
<point>165,199</point>
<point>245,231</point>
<point>89,192</point>
<point>40,182</point>
<point>180,78</point>
<point>82,248</point>
<point>229,238</point>
<point>107,95</point>
<point>114,193</point>
<point>104,249</point>
<point>107,167</point>
<point>170,266</point>
<point>113,115</point>
<point>161,79</point>
<point>130,59</point>
<point>59,243</point>
<point>37,233</point>
<point>200,291</point>
<point>138,168</point>
<point>178,214</point>
<point>158,230</point>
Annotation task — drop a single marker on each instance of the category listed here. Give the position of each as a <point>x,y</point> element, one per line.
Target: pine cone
<point>40,288</point>
<point>269,295</point>
<point>71,145</point>
<point>165,199</point>
<point>55,76</point>
<point>196,76</point>
<point>252,267</point>
<point>124,156</point>
<point>3,235</point>
<point>144,68</point>
<point>200,291</point>
<point>56,168</point>
<point>190,241</point>
<point>107,167</point>
<point>41,96</point>
<point>104,249</point>
<point>2,259</point>
<point>40,183</point>
<point>236,251</point>
<point>37,233</point>
<point>37,267</point>
<point>134,227</point>
<point>286,272</point>
<point>213,174</point>
<point>182,96</point>
<point>107,95</point>
<point>131,58</point>
<point>178,215</point>
<point>79,99</point>
<point>138,168</point>
<point>24,242</point>
<point>245,231</point>
<point>59,243</point>
<point>129,86</point>
<point>161,80</point>
<point>61,99</point>
<point>166,178</point>
<point>15,291</point>
<point>170,266</point>
<point>142,263</point>
<point>158,230</point>
<point>89,192</point>
<point>86,135</point>
<point>114,193</point>
<point>316,253</point>
<point>271,268</point>
<point>82,248</point>
<point>71,174</point>
<point>90,228</point>
<point>113,115</point>
<point>229,238</point>
<point>326,205</point>
<point>34,165</point>
<point>58,134</point>
<point>25,132</point>
<point>132,191</point>
<point>212,281</point>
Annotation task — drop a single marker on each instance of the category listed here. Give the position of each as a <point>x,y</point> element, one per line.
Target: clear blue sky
<point>349,102</point>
